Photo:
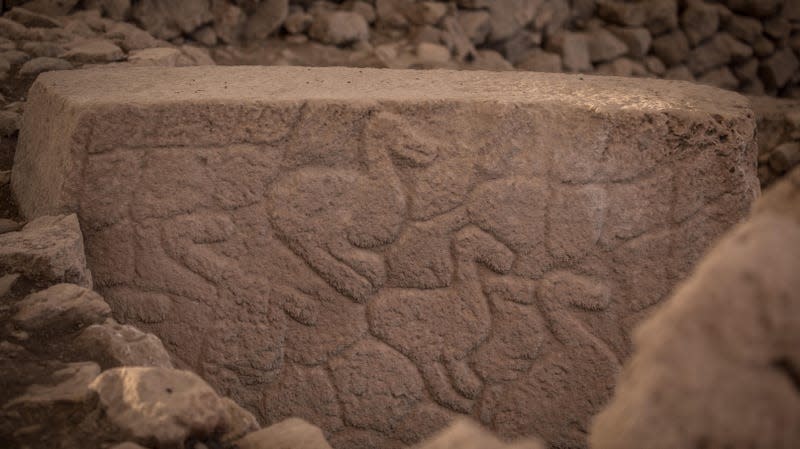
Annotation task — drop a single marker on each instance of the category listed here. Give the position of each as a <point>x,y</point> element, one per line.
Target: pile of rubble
<point>746,45</point>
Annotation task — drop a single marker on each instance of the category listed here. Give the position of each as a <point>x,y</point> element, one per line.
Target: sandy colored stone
<point>61,308</point>
<point>718,362</point>
<point>293,433</point>
<point>48,249</point>
<point>431,244</point>
<point>158,406</point>
<point>111,344</point>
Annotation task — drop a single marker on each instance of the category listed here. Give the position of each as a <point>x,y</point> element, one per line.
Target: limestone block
<point>378,251</point>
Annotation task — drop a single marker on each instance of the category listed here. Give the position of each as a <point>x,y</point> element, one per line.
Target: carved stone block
<point>378,251</point>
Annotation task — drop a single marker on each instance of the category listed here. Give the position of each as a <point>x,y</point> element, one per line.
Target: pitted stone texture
<point>718,363</point>
<point>48,250</point>
<point>379,251</point>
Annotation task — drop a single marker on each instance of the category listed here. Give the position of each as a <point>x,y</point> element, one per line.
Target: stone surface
<point>465,434</point>
<point>62,308</point>
<point>431,244</point>
<point>574,51</point>
<point>157,406</point>
<point>167,19</point>
<point>49,250</point>
<point>43,64</point>
<point>604,46</point>
<point>339,28</point>
<point>292,433</point>
<point>111,344</point>
<point>672,48</point>
<point>779,68</point>
<point>266,19</point>
<point>94,51</point>
<point>718,362</point>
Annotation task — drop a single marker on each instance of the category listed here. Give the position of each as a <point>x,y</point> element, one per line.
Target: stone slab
<point>379,252</point>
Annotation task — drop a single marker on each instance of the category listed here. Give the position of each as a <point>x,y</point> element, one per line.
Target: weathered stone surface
<point>289,434</point>
<point>157,406</point>
<point>49,250</point>
<point>465,434</point>
<point>430,244</point>
<point>59,309</point>
<point>718,362</point>
<point>111,344</point>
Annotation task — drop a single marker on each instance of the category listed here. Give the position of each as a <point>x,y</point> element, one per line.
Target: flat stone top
<point>159,85</point>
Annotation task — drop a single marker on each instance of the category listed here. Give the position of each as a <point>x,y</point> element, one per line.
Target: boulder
<point>43,64</point>
<point>111,344</point>
<point>130,37</point>
<point>574,51</point>
<point>507,17</point>
<point>51,7</point>
<point>604,46</point>
<point>700,21</point>
<point>119,10</point>
<point>538,60</point>
<point>47,250</point>
<point>630,14</point>
<point>31,19</point>
<point>158,406</point>
<point>757,8</point>
<point>778,69</point>
<point>167,19</point>
<point>94,51</point>
<point>717,363</point>
<point>266,19</point>
<point>476,25</point>
<point>339,28</point>
<point>720,50</point>
<point>744,28</point>
<point>638,40</point>
<point>291,433</point>
<point>672,48</point>
<point>60,309</point>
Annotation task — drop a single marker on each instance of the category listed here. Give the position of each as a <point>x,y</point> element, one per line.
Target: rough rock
<point>339,28</point>
<point>507,17</point>
<point>43,64</point>
<point>288,434</point>
<point>574,51</point>
<point>111,344</point>
<point>637,40</point>
<point>779,68</point>
<point>51,7</point>
<point>115,9</point>
<point>672,48</point>
<point>266,19</point>
<point>699,21</point>
<point>717,362</point>
<point>60,309</point>
<point>130,37</point>
<point>720,50</point>
<point>622,13</point>
<point>94,51</point>
<point>31,19</point>
<point>538,60</point>
<point>49,250</point>
<point>662,15</point>
<point>167,19</point>
<point>476,25</point>
<point>604,46</point>
<point>465,434</point>
<point>746,29</point>
<point>367,230</point>
<point>163,57</point>
<point>721,77</point>
<point>158,406</point>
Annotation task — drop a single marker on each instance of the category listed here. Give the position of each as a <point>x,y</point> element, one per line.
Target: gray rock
<point>622,13</point>
<point>662,15</point>
<point>158,406</point>
<point>290,433</point>
<point>638,40</point>
<point>229,21</point>
<point>784,157</point>
<point>31,19</point>
<point>266,20</point>
<point>167,19</point>
<point>9,122</point>
<point>604,46</point>
<point>94,51</point>
<point>111,344</point>
<point>339,28</point>
<point>672,49</point>
<point>130,37</point>
<point>699,21</point>
<point>14,57</point>
<point>51,7</point>
<point>60,309</point>
<point>574,51</point>
<point>757,8</point>
<point>776,71</point>
<point>49,249</point>
<point>298,22</point>
<point>721,77</point>
<point>476,25</point>
<point>746,29</point>
<point>720,50</point>
<point>116,9</point>
<point>538,60</point>
<point>44,64</point>
<point>510,16</point>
